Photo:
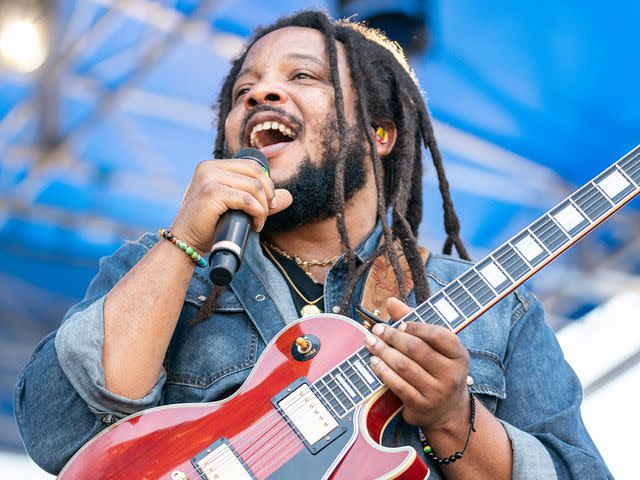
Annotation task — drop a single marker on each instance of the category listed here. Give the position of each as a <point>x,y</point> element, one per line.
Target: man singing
<point>338,113</point>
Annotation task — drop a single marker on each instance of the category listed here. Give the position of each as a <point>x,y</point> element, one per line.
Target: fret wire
<point>337,397</point>
<point>628,177</point>
<point>459,290</point>
<point>446,322</point>
<point>346,377</point>
<point>595,198</point>
<point>485,282</point>
<point>591,197</point>
<point>358,375</point>
<point>593,182</point>
<point>326,402</point>
<point>632,159</point>
<point>567,234</point>
<point>634,170</point>
<point>538,241</point>
<point>334,397</point>
<point>459,310</point>
<point>427,305</point>
<point>589,203</point>
<point>365,364</point>
<point>468,292</point>
<point>419,316</point>
<point>495,262</point>
<point>520,254</point>
<point>364,381</point>
<point>551,227</point>
<point>509,259</point>
<point>634,156</point>
<point>584,215</point>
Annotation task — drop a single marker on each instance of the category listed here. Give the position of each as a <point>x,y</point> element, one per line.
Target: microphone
<point>231,233</point>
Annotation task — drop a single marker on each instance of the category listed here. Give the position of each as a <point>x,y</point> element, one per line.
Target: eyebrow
<point>299,56</point>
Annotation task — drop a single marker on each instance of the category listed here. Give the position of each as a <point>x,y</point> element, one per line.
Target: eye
<point>240,92</point>
<point>301,76</point>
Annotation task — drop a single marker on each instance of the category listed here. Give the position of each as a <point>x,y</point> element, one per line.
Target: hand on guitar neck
<point>426,366</point>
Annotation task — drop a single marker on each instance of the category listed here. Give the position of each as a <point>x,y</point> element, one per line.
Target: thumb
<point>396,308</point>
<point>281,200</point>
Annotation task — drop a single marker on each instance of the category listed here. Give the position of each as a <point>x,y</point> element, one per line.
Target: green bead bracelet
<point>184,246</point>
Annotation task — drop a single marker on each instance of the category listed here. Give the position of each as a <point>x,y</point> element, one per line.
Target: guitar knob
<point>304,346</point>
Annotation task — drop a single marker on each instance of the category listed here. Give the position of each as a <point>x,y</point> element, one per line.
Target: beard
<point>313,185</point>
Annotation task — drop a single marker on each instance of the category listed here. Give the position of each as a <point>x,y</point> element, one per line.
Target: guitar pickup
<point>220,461</point>
<point>305,412</point>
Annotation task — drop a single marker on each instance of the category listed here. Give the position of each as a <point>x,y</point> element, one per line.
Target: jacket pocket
<point>487,378</point>
<point>199,289</point>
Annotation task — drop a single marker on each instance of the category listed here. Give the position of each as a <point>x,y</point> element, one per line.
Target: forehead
<point>289,42</point>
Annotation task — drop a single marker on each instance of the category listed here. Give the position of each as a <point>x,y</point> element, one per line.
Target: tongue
<point>271,137</point>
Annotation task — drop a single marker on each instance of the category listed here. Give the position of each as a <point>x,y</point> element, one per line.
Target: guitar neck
<point>483,285</point>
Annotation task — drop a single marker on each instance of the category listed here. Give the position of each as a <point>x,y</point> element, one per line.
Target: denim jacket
<point>517,367</point>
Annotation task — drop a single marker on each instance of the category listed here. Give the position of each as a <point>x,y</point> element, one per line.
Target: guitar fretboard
<point>475,291</point>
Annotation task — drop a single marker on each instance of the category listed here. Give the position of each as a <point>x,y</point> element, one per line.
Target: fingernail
<point>273,203</point>
<point>370,340</point>
<point>402,327</point>
<point>378,328</point>
<point>374,360</point>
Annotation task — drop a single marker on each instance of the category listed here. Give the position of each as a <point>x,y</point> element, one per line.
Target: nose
<point>265,92</point>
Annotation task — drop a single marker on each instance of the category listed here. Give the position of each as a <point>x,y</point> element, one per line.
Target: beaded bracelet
<point>428,451</point>
<point>184,246</point>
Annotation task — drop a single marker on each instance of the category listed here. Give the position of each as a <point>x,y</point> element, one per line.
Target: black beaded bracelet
<point>428,451</point>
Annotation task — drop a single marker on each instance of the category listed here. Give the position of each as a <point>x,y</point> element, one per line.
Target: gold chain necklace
<point>305,265</point>
<point>310,308</point>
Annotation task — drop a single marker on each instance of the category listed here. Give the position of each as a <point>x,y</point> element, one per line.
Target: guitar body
<point>161,443</point>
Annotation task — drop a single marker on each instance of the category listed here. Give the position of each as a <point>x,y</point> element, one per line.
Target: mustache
<point>293,120</point>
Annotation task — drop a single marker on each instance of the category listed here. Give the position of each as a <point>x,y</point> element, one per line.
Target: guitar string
<point>270,440</point>
<point>594,196</point>
<point>283,424</point>
<point>501,259</point>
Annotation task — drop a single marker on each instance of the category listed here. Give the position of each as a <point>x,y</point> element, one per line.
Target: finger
<point>400,363</point>
<point>396,308</point>
<point>235,199</point>
<point>253,169</point>
<point>405,392</point>
<point>439,338</point>
<point>414,348</point>
<point>247,184</point>
<point>281,200</point>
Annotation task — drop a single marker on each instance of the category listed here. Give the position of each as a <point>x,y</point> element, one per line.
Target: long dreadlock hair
<point>391,93</point>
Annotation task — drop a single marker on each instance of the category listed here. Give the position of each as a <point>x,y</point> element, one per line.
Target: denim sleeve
<point>60,401</point>
<point>541,413</point>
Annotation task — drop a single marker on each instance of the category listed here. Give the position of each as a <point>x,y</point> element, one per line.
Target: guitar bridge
<point>307,415</point>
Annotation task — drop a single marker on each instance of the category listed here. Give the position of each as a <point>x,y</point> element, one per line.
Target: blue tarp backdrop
<point>530,100</point>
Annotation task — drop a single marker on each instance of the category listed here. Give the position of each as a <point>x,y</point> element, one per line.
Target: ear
<point>385,148</point>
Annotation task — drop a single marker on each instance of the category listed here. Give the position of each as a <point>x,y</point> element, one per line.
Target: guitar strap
<point>381,283</point>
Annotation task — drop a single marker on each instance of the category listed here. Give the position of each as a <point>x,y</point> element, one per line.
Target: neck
<point>320,239</point>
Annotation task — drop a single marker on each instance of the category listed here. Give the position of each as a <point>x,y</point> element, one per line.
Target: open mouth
<point>269,133</point>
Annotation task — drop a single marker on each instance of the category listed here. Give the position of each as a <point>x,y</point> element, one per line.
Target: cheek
<point>232,128</point>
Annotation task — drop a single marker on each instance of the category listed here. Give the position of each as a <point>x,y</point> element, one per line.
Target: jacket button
<point>202,298</point>
<point>335,309</point>
<point>470,380</point>
<point>260,297</point>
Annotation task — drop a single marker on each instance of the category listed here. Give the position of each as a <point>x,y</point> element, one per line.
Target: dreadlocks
<point>391,93</point>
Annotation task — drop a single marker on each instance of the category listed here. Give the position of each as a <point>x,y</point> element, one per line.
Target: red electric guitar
<point>312,408</point>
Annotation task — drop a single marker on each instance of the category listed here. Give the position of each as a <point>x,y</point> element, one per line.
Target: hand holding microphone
<point>232,231</point>
<point>219,195</point>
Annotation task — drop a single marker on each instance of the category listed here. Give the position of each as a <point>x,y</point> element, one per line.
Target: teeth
<point>253,141</point>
